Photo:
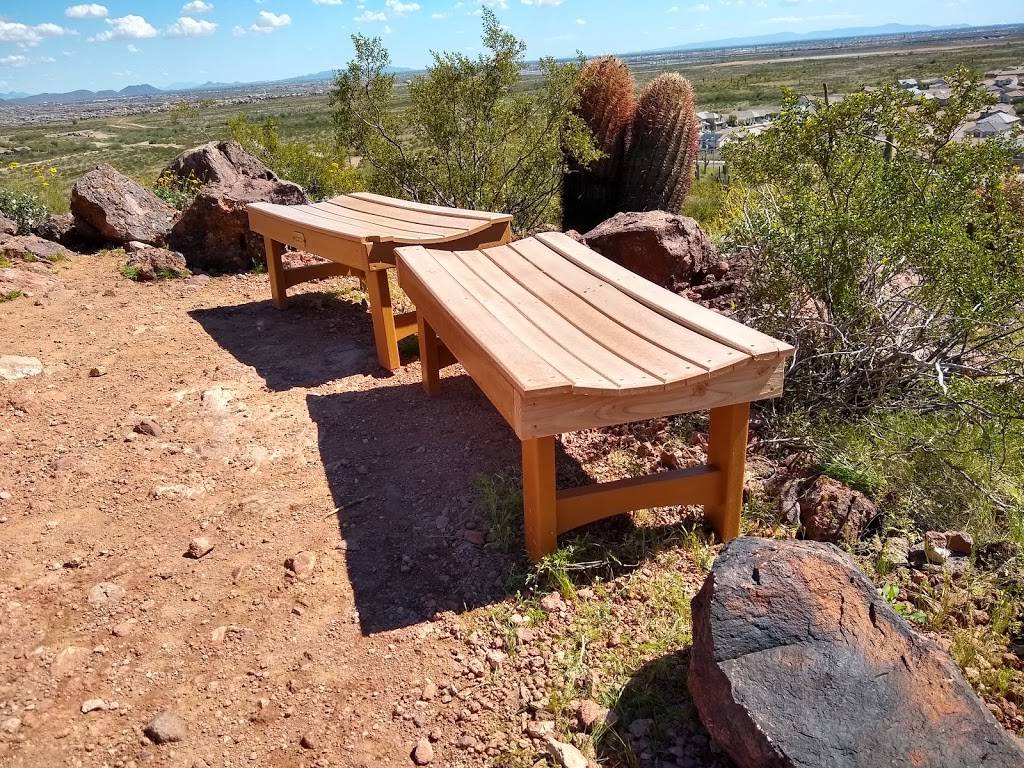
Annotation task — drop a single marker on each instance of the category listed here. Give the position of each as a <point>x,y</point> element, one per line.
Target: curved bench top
<point>369,218</point>
<point>556,317</point>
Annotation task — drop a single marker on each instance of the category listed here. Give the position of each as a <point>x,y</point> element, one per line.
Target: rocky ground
<point>227,538</point>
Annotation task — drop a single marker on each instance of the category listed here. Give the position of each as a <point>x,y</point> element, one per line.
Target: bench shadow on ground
<point>319,338</point>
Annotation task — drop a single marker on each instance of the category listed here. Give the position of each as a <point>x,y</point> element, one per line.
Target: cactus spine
<point>607,105</point>
<point>658,167</point>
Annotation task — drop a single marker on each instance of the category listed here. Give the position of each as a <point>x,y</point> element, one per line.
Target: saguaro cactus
<point>607,105</point>
<point>658,167</point>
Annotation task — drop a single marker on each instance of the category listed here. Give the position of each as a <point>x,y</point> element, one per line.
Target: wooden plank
<point>553,415</point>
<point>405,325</point>
<point>383,316</point>
<point>650,358</point>
<point>693,347</point>
<point>430,364</point>
<point>519,364</point>
<point>350,251</point>
<point>673,306</point>
<point>453,224</point>
<point>558,357</point>
<point>727,450</point>
<point>303,274</point>
<point>540,518</point>
<point>581,506</point>
<point>275,271</point>
<point>439,210</point>
<point>295,217</point>
<point>626,376</point>
<point>380,223</point>
<point>457,342</point>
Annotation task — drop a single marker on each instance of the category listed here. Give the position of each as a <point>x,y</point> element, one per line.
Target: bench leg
<point>430,361</point>
<point>727,450</point>
<point>275,270</point>
<point>539,497</point>
<point>383,315</point>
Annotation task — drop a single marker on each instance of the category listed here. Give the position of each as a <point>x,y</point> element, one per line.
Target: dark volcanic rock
<point>213,231</point>
<point>219,162</point>
<point>63,228</point>
<point>663,247</point>
<point>119,209</point>
<point>7,226</point>
<point>797,661</point>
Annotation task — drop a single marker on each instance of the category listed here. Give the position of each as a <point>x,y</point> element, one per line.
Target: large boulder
<point>119,209</point>
<point>666,248</point>
<point>156,264</point>
<point>213,232</point>
<point>219,162</point>
<point>65,229</point>
<point>826,510</point>
<point>797,661</point>
<point>8,226</point>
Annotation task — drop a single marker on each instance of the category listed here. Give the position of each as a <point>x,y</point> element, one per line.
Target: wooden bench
<point>561,339</point>
<point>357,234</point>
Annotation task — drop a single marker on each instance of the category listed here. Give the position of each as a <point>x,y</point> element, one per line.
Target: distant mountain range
<point>780,38</point>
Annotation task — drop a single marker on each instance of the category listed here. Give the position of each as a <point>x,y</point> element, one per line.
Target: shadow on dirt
<point>669,730</point>
<point>403,470</point>
<point>319,338</point>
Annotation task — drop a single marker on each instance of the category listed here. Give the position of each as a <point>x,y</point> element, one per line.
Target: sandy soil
<point>278,434</point>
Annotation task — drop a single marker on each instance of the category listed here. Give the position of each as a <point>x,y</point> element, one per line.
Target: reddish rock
<point>28,282</point>
<point>119,209</point>
<point>213,231</point>
<point>74,235</point>
<point>825,509</point>
<point>31,248</point>
<point>157,264</point>
<point>667,249</point>
<point>797,661</point>
<point>219,162</point>
<point>8,226</point>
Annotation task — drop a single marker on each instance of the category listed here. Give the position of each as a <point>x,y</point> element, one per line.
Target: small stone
<point>302,565</point>
<point>495,659</point>
<point>165,728</point>
<point>124,628</point>
<point>552,602</point>
<point>429,691</point>
<point>474,537</point>
<point>591,715</point>
<point>308,741</point>
<point>540,729</point>
<point>13,367</point>
<point>199,547</point>
<point>105,593</point>
<point>423,752</point>
<point>935,548</point>
<point>960,543</point>
<point>147,427</point>
<point>92,705</point>
<point>640,729</point>
<point>566,755</point>
<point>96,371</point>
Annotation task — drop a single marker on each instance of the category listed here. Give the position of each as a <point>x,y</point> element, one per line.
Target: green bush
<point>24,208</point>
<point>319,168</point>
<point>471,137</point>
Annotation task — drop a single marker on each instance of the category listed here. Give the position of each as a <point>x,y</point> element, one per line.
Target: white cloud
<point>581,22</point>
<point>86,11</point>
<point>368,16</point>
<point>186,26</point>
<point>541,2</point>
<point>268,22</point>
<point>13,61</point>
<point>129,27</point>
<point>398,7</point>
<point>133,48</point>
<point>196,6</point>
<point>24,35</point>
<point>327,2</point>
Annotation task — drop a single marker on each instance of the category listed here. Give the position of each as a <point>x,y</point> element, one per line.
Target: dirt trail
<point>269,422</point>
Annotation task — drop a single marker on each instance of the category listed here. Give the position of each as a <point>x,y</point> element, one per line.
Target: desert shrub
<point>471,136</point>
<point>891,254</point>
<point>318,168</point>
<point>24,208</point>
<point>176,191</point>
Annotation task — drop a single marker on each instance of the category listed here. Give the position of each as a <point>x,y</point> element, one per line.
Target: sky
<point>56,45</point>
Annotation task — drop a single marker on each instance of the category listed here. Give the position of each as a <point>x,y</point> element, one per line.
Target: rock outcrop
<point>119,209</point>
<point>8,226</point>
<point>219,162</point>
<point>157,263</point>
<point>666,248</point>
<point>213,231</point>
<point>30,248</point>
<point>74,235</point>
<point>797,661</point>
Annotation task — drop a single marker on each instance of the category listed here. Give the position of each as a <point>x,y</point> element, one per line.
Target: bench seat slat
<point>408,205</point>
<point>520,364</point>
<point>452,223</point>
<point>672,306</point>
<point>392,229</point>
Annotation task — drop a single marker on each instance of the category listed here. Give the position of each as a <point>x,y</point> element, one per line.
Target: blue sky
<point>56,45</point>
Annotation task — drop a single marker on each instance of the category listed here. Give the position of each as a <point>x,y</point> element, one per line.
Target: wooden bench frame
<point>538,419</point>
<point>369,257</point>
